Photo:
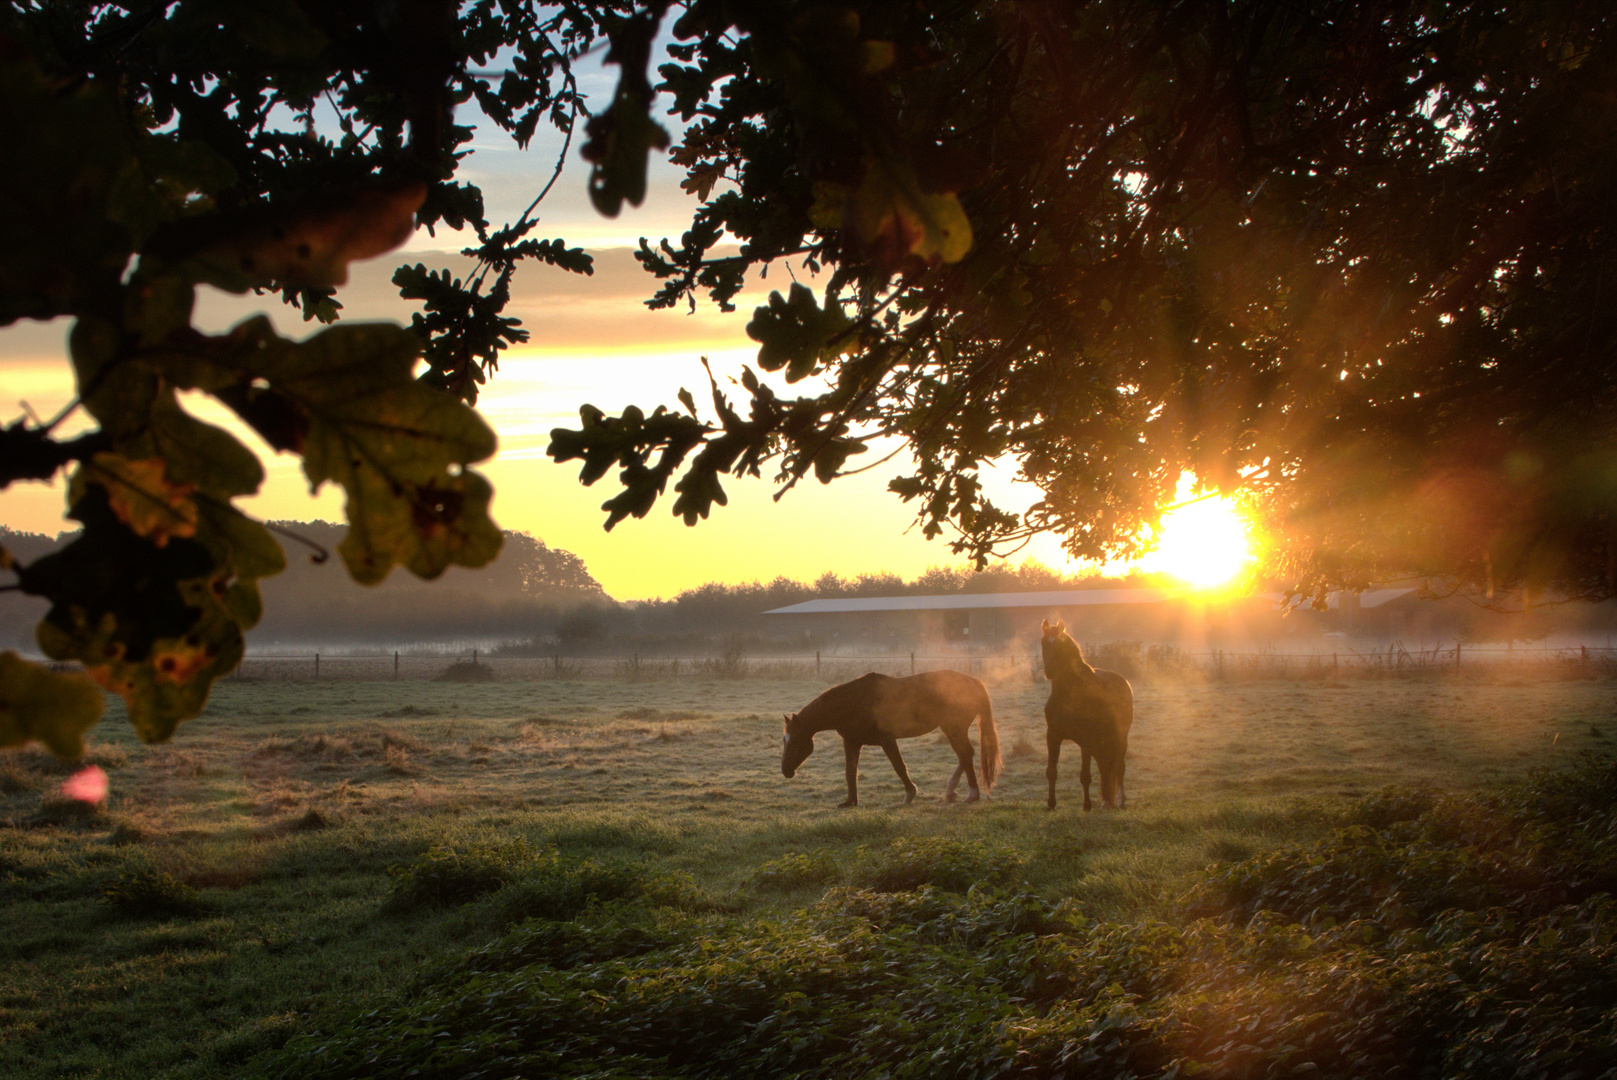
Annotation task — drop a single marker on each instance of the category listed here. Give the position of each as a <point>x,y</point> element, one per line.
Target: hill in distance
<point>314,602</point>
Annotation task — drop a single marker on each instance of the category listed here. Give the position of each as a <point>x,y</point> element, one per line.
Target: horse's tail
<point>993,763</point>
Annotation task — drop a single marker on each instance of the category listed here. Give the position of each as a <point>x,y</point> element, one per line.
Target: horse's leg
<point>1052,755</point>
<point>891,746</point>
<point>1111,779</point>
<point>962,751</point>
<point>1083,775</point>
<point>850,753</point>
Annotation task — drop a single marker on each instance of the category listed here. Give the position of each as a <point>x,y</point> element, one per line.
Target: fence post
<point>474,658</point>
<point>395,665</point>
<point>912,663</point>
<point>316,667</point>
<point>556,660</point>
<point>1456,656</point>
<point>1221,664</point>
<point>1584,649</point>
<point>816,663</point>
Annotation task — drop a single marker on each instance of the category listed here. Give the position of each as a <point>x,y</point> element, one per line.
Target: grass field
<point>242,884</point>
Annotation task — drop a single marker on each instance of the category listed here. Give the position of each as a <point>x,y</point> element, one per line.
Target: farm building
<point>1188,619</point>
<point>1151,615</point>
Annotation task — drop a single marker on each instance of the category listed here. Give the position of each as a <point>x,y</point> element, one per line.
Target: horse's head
<point>799,745</point>
<point>1062,656</point>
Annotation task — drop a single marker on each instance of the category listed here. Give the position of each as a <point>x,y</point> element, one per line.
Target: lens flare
<point>89,785</point>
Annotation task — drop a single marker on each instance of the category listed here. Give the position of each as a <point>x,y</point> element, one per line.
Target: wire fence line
<point>1153,663</point>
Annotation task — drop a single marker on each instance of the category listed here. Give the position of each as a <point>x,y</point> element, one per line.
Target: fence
<point>1148,664</point>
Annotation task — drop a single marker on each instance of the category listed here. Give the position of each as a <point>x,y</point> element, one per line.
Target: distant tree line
<point>715,613</point>
<point>717,604</point>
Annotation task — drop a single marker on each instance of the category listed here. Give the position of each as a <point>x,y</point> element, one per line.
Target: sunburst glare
<point>1205,543</point>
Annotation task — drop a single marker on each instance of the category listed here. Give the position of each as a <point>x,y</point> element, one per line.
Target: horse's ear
<point>787,721</point>
<point>1061,627</point>
<point>1044,625</point>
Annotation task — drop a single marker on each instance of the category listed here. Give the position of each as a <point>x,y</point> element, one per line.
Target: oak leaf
<point>141,496</point>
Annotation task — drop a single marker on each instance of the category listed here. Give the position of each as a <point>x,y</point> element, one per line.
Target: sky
<point>593,341</point>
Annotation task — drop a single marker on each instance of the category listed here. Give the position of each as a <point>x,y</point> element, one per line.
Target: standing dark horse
<point>1093,708</point>
<point>878,710</point>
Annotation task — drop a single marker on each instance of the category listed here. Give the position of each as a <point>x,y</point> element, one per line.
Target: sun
<point>1204,543</point>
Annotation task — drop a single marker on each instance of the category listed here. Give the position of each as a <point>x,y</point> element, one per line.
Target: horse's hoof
<point>1049,806</point>
<point>845,804</point>
<point>973,797</point>
<point>909,797</point>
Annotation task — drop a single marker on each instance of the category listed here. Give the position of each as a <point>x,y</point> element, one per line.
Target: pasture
<point>306,852</point>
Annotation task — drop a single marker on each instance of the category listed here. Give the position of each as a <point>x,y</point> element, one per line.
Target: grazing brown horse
<point>878,710</point>
<point>1092,707</point>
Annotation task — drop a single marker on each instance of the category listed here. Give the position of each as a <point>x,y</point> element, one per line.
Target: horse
<point>878,710</point>
<point>1090,706</point>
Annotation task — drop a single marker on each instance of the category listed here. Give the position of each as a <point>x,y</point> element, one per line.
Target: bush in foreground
<point>1430,936</point>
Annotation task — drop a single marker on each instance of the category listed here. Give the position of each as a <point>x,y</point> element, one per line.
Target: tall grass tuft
<point>146,892</point>
<point>457,874</point>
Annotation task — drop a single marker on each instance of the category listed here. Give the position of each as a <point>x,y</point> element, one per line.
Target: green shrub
<point>797,870</point>
<point>946,863</point>
<point>449,874</point>
<point>561,887</point>
<point>466,671</point>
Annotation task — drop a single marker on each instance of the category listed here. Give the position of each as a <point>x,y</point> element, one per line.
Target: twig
<point>320,556</point>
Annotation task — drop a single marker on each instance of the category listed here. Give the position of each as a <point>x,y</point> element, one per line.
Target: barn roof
<point>1059,598</point>
<point>975,601</point>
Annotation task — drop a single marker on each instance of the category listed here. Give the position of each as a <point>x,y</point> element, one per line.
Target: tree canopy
<point>1346,259</point>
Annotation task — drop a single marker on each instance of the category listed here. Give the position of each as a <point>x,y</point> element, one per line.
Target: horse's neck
<point>814,723</point>
<point>1078,677</point>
